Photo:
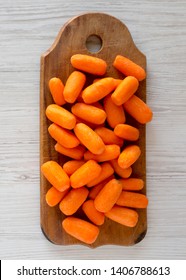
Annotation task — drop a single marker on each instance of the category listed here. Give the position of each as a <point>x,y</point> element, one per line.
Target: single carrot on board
<point>117,81</point>
<point>106,171</point>
<point>56,88</point>
<point>125,90</point>
<point>92,213</point>
<point>53,196</point>
<point>96,189</point>
<point>108,136</point>
<point>110,152</point>
<point>80,229</point>
<point>132,199</point>
<point>127,132</point>
<point>132,184</point>
<point>90,139</point>
<point>123,173</point>
<point>63,136</point>
<point>89,171</point>
<point>108,196</point>
<point>55,174</point>
<point>60,116</point>
<point>74,86</point>
<point>138,109</point>
<point>115,114</point>
<point>72,165</point>
<point>126,217</point>
<point>128,156</point>
<point>89,64</point>
<point>75,153</point>
<point>129,68</point>
<point>73,200</point>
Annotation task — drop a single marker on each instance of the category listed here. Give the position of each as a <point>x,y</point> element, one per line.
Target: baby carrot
<point>138,109</point>
<point>132,184</point>
<point>127,132</point>
<point>80,229</point>
<point>110,152</point>
<point>73,200</point>
<point>116,81</point>
<point>89,113</point>
<point>108,136</point>
<point>90,139</point>
<point>123,173</point>
<point>56,88</point>
<point>126,217</point>
<point>89,64</point>
<point>63,136</point>
<point>125,90</point>
<point>106,171</point>
<point>108,196</point>
<point>75,153</point>
<point>96,189</point>
<point>132,199</point>
<point>128,156</point>
<point>60,116</point>
<point>115,114</point>
<point>55,174</point>
<point>92,213</point>
<point>129,68</point>
<point>74,86</point>
<point>53,196</point>
<point>89,171</point>
<point>72,165</point>
<point>98,90</point>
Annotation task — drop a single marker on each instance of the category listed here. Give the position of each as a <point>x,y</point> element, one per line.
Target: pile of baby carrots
<point>99,144</point>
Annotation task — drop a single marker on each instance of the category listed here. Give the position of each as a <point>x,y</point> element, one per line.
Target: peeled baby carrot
<point>123,173</point>
<point>75,153</point>
<point>60,116</point>
<point>96,189</point>
<point>80,229</point>
<point>89,64</point>
<point>89,171</point>
<point>129,68</point>
<point>63,136</point>
<point>55,174</point>
<point>56,88</point>
<point>89,113</point>
<point>108,136</point>
<point>90,139</point>
<point>106,171</point>
<point>74,86</point>
<point>138,109</point>
<point>92,213</point>
<point>127,132</point>
<point>126,217</point>
<point>115,114</point>
<point>53,196</point>
<point>108,196</point>
<point>128,156</point>
<point>110,152</point>
<point>73,200</point>
<point>132,184</point>
<point>116,81</point>
<point>72,165</point>
<point>132,199</point>
<point>98,90</point>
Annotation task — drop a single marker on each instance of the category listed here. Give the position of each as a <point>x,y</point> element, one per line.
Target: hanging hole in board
<point>94,43</point>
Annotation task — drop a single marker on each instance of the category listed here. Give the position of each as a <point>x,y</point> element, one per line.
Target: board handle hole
<point>94,43</point>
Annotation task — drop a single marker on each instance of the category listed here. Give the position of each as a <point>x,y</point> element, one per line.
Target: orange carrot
<point>56,88</point>
<point>53,196</point>
<point>74,86</point>
<point>108,136</point>
<point>75,153</point>
<point>89,171</point>
<point>89,64</point>
<point>129,68</point>
<point>110,152</point>
<point>138,109</point>
<point>80,229</point>
<point>92,213</point>
<point>128,156</point>
<point>90,139</point>
<point>73,200</point>
<point>115,114</point>
<point>132,184</point>
<point>123,173</point>
<point>89,113</point>
<point>108,196</point>
<point>60,116</point>
<point>106,171</point>
<point>63,136</point>
<point>116,81</point>
<point>126,217</point>
<point>98,90</point>
<point>55,174</point>
<point>96,189</point>
<point>132,199</point>
<point>72,165</point>
<point>127,132</point>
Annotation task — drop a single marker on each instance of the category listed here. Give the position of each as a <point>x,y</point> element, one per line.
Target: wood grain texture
<point>26,30</point>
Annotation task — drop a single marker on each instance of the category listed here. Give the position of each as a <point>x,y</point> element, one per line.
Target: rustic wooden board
<point>71,39</point>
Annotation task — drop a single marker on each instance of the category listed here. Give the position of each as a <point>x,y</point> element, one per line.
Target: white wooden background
<point>27,29</point>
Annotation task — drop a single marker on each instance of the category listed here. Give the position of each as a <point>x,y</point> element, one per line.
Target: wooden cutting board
<point>71,39</point>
